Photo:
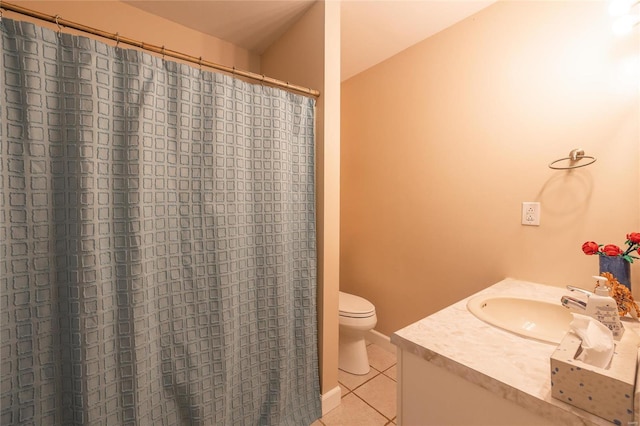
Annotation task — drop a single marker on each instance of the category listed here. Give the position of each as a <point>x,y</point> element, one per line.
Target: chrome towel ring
<point>575,156</point>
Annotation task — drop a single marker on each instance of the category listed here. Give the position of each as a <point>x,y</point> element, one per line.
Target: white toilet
<point>357,316</point>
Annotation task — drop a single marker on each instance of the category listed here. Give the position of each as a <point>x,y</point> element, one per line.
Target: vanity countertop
<point>514,367</point>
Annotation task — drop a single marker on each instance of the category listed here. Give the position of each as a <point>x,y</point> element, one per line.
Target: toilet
<point>357,317</point>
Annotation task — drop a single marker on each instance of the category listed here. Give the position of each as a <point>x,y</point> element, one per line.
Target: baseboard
<point>380,340</point>
<point>331,400</point>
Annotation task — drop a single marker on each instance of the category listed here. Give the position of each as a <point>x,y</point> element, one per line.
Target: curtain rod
<point>156,49</point>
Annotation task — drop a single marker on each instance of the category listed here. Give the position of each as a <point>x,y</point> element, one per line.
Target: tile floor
<point>368,400</point>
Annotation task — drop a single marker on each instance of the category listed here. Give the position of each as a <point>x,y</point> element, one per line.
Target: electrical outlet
<point>531,213</point>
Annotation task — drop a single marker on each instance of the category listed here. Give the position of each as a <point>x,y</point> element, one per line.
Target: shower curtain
<point>158,241</point>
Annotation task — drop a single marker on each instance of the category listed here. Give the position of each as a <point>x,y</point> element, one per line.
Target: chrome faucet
<point>576,304</point>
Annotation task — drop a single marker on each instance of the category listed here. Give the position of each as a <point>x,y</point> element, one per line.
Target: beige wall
<point>117,17</point>
<point>309,54</point>
<point>442,143</point>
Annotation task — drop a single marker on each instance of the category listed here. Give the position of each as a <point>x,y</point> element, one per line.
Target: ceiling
<point>371,30</point>
<point>374,30</point>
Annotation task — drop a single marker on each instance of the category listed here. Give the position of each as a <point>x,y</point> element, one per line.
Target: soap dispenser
<point>604,308</point>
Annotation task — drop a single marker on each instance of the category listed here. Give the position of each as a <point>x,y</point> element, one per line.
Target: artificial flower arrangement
<point>621,294</point>
<point>633,244</point>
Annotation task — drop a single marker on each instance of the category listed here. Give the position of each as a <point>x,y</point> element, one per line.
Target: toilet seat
<point>353,306</point>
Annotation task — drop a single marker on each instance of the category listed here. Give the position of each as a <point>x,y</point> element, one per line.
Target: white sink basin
<point>535,319</point>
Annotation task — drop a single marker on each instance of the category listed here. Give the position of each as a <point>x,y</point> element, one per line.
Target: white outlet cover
<point>531,213</point>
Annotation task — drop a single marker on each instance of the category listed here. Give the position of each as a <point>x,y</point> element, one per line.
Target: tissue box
<point>605,392</point>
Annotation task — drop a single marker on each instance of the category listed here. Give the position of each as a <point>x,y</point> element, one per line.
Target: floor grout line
<point>366,381</point>
<point>389,421</point>
<point>375,409</point>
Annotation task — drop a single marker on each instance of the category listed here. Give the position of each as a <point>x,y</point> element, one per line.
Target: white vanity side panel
<point>430,395</point>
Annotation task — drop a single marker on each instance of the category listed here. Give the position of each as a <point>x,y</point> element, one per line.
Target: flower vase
<point>618,267</point>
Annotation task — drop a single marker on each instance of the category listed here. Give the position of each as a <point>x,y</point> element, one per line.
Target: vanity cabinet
<point>431,395</point>
<point>454,369</point>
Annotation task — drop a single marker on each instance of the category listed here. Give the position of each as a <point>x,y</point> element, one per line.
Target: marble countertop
<point>506,364</point>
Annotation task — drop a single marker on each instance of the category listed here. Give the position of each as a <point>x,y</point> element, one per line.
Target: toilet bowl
<point>357,316</point>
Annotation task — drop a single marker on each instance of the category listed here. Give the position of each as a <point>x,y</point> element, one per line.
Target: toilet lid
<point>354,306</point>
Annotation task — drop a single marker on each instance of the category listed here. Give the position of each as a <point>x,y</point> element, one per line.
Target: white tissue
<point>597,341</point>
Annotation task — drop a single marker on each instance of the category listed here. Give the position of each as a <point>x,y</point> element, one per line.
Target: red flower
<point>633,246</point>
<point>611,250</point>
<point>590,248</point>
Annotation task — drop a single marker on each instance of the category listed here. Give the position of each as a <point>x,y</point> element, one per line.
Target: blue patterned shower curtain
<point>157,241</point>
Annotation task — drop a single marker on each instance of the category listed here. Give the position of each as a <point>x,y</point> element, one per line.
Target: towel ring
<point>574,156</point>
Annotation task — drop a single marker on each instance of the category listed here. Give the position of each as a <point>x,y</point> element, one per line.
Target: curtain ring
<point>58,25</point>
<point>163,52</point>
<point>200,63</point>
<point>117,39</point>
